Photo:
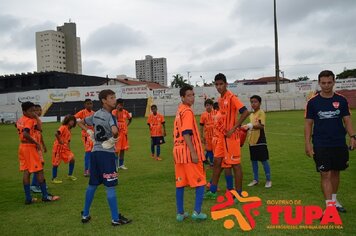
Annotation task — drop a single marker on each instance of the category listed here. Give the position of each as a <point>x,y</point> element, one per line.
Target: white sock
<point>329,202</point>
<point>337,203</point>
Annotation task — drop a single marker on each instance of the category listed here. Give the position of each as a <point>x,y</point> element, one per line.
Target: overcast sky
<point>201,36</point>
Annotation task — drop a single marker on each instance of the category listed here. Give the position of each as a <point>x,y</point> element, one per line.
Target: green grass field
<point>146,192</point>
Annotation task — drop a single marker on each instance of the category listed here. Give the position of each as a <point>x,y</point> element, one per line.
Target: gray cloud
<point>15,67</point>
<point>24,38</point>
<point>308,54</point>
<point>337,29</point>
<point>94,67</point>
<point>126,69</point>
<point>198,36</point>
<point>211,50</point>
<point>247,64</point>
<point>113,39</point>
<point>8,23</point>
<point>288,12</point>
<point>312,34</point>
<point>19,34</point>
<point>219,46</point>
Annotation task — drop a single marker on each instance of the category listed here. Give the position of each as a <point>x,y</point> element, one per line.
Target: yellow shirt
<point>257,136</point>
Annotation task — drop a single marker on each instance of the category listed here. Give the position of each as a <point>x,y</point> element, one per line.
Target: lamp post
<point>278,89</point>
<point>201,77</point>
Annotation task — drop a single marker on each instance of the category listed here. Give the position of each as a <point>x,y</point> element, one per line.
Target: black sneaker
<point>50,198</point>
<point>122,221</point>
<point>341,209</point>
<point>85,219</point>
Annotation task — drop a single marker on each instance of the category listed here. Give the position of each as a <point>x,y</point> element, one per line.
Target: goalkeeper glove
<point>109,143</point>
<point>248,126</point>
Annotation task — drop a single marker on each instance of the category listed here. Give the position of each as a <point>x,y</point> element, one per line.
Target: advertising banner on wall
<point>304,86</point>
<point>140,91</point>
<point>31,96</point>
<point>82,93</point>
<point>345,84</point>
<point>48,96</point>
<point>162,93</point>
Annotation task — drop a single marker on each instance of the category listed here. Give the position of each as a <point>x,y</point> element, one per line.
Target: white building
<point>152,70</point>
<point>59,50</point>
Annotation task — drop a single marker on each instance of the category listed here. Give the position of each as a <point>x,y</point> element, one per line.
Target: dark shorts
<point>157,140</point>
<point>209,154</point>
<point>331,158</point>
<point>259,153</point>
<point>103,169</point>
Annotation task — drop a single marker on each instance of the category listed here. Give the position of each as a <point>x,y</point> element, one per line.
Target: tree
<point>178,81</point>
<point>303,78</point>
<point>209,84</point>
<point>347,74</point>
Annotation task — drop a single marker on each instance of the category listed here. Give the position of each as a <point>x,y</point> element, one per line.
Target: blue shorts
<point>103,169</point>
<point>157,140</point>
<point>209,154</point>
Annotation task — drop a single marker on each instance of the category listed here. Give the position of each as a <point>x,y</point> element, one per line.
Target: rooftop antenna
<point>70,20</point>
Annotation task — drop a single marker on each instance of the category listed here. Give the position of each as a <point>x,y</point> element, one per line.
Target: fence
<point>9,117</point>
<point>167,104</point>
<point>169,107</point>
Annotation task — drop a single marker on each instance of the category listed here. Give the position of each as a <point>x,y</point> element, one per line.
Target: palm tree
<point>178,81</point>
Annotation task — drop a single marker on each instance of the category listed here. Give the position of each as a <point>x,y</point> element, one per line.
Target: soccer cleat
<point>341,209</point>
<point>181,217</point>
<point>56,181</point>
<point>200,216</point>
<point>121,221</point>
<point>158,159</point>
<point>123,167</point>
<point>33,200</point>
<point>208,187</point>
<point>268,184</point>
<point>153,156</point>
<point>253,183</point>
<point>85,219</point>
<point>50,198</point>
<point>210,195</point>
<point>71,177</point>
<point>35,189</point>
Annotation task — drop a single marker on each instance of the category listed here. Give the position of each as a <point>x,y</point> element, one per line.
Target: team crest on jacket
<point>336,105</point>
